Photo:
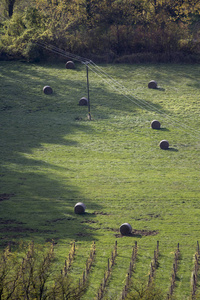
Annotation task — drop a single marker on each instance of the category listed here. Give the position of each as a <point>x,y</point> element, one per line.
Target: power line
<point>61,52</point>
<point>114,84</point>
<point>96,69</point>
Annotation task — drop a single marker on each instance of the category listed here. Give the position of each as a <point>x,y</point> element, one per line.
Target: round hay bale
<point>79,208</point>
<point>47,90</point>
<point>70,65</point>
<point>164,144</point>
<point>152,84</point>
<point>83,101</point>
<point>125,229</point>
<point>155,124</point>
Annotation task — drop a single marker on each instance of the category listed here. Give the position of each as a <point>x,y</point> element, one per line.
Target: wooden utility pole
<point>89,115</point>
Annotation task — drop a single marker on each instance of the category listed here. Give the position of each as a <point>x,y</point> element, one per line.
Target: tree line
<point>108,30</point>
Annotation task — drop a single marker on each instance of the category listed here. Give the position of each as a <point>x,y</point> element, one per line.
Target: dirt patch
<point>17,229</point>
<point>139,233</point>
<point>88,221</point>
<point>150,216</point>
<point>20,229</point>
<point>82,234</point>
<point>112,229</point>
<point>100,213</point>
<point>78,119</point>
<point>153,216</point>
<point>10,221</point>
<point>60,220</point>
<point>5,196</point>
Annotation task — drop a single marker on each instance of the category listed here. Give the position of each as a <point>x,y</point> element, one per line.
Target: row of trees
<point>110,29</point>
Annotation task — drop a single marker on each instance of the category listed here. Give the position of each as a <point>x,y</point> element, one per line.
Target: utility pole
<point>89,115</point>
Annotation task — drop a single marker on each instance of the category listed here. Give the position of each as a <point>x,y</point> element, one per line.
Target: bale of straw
<point>79,208</point>
<point>125,229</point>
<point>47,90</point>
<point>70,65</point>
<point>164,144</point>
<point>155,124</point>
<point>83,101</point>
<point>152,84</point>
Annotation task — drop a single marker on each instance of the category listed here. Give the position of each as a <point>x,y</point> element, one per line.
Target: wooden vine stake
<point>174,272</point>
<point>70,259</point>
<point>195,272</point>
<point>107,273</point>
<point>154,264</point>
<point>88,265</point>
<point>130,271</point>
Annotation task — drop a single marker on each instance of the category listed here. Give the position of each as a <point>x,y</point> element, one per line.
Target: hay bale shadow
<point>160,89</point>
<point>172,149</point>
<point>164,129</point>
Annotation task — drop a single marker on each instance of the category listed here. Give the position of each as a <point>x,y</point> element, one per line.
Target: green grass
<point>52,157</point>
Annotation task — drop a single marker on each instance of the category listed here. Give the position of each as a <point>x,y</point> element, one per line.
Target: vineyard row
<point>29,279</point>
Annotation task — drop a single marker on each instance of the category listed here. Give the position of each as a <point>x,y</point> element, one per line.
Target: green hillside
<point>52,157</point>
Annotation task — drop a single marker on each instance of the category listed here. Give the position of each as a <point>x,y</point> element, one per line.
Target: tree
<point>8,7</point>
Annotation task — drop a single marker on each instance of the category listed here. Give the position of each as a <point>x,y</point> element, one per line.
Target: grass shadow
<point>160,89</point>
<point>172,149</point>
<point>163,129</point>
<point>37,197</point>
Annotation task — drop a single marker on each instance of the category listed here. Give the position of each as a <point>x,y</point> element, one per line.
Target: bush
<point>147,39</point>
<point>33,53</point>
<point>30,278</point>
<point>141,291</point>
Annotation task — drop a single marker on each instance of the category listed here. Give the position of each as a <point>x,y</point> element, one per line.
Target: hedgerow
<point>113,30</point>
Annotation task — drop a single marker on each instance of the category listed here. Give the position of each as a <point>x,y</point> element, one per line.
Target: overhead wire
<point>93,67</point>
<point>123,88</point>
<point>96,69</point>
<point>59,51</point>
<point>144,104</point>
<point>114,84</point>
<point>105,76</point>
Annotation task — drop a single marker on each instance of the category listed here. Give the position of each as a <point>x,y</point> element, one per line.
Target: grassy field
<point>52,157</point>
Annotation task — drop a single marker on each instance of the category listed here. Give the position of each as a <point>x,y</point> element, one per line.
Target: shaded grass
<point>52,157</point>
